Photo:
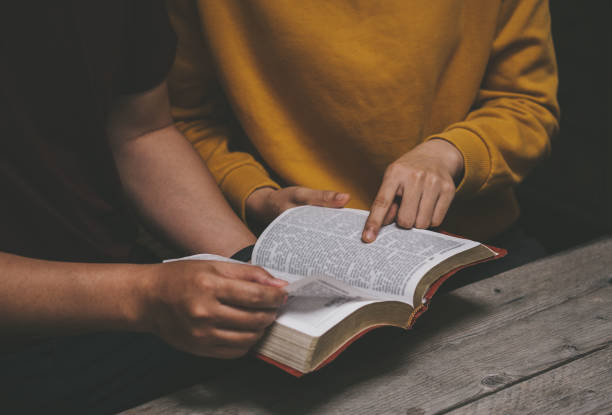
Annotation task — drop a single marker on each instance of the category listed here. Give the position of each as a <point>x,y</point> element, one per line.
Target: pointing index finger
<point>378,211</point>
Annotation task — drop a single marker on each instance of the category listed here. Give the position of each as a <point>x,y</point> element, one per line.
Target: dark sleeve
<point>149,46</point>
<point>244,254</point>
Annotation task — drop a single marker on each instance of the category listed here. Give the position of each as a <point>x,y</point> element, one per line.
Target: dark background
<point>567,200</point>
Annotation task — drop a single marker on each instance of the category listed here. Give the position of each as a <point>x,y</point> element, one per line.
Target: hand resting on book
<point>266,203</point>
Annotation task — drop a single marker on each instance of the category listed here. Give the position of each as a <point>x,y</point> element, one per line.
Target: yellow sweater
<point>326,94</point>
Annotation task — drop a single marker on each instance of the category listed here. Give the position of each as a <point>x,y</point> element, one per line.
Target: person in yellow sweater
<point>426,113</point>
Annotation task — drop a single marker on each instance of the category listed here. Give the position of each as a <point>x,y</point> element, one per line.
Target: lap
<point>97,373</point>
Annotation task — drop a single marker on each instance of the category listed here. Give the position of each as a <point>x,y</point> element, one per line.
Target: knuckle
<point>394,169</point>
<point>206,283</point>
<point>198,310</point>
<point>417,175</point>
<point>206,316</point>
<point>433,180</point>
<point>405,221</point>
<point>300,194</point>
<point>448,187</point>
<point>327,196</point>
<point>205,280</point>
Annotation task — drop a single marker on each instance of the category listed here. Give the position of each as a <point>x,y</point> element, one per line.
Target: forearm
<point>171,186</point>
<point>42,298</point>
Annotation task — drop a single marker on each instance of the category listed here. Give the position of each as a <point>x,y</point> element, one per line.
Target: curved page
<point>310,240</point>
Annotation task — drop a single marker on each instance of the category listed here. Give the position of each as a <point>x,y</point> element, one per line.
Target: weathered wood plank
<point>579,387</point>
<point>521,292</point>
<point>472,342</point>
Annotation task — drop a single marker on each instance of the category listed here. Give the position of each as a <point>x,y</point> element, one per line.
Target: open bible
<point>340,287</point>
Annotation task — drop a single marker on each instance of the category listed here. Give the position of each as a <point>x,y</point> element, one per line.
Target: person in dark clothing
<point>87,145</point>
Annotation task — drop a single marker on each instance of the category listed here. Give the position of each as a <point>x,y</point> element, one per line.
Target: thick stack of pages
<point>340,287</point>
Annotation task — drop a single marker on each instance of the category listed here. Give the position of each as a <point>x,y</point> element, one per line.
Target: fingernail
<point>341,196</point>
<point>369,235</point>
<point>286,298</point>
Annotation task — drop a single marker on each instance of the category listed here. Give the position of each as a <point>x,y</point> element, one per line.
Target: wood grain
<point>474,343</point>
<point>581,386</point>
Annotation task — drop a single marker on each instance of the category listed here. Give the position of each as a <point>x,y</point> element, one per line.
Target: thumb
<point>326,198</point>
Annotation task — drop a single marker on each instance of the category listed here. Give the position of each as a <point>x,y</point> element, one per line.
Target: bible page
<point>311,240</point>
<point>317,304</point>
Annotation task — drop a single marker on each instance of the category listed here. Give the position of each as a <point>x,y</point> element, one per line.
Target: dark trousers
<point>97,374</point>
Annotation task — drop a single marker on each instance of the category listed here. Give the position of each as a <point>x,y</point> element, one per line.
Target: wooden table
<point>536,339</point>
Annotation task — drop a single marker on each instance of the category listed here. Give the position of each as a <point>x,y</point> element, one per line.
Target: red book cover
<point>418,311</point>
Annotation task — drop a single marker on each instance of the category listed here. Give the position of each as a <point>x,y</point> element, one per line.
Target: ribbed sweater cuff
<point>239,183</point>
<point>476,158</point>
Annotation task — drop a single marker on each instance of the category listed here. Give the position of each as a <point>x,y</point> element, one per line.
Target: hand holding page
<point>341,287</point>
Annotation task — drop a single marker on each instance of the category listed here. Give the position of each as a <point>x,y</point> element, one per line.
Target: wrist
<point>257,199</point>
<point>141,294</point>
<point>453,158</point>
<point>255,204</point>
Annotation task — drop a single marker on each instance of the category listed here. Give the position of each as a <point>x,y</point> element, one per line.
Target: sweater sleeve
<point>515,112</point>
<point>202,114</point>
